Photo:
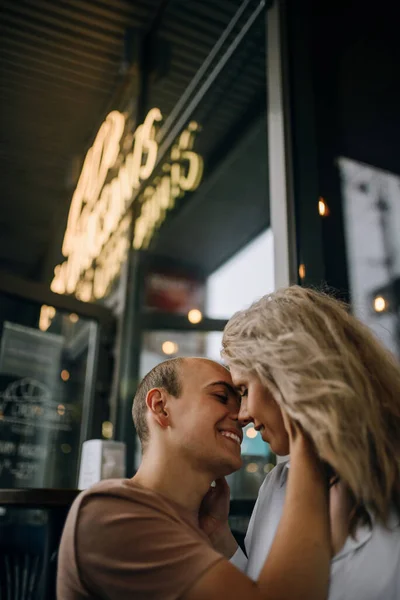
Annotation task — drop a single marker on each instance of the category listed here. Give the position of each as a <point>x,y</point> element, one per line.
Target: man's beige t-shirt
<point>122,541</point>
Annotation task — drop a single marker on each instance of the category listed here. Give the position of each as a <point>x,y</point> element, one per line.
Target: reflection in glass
<point>244,278</point>
<point>158,346</point>
<point>371,200</point>
<point>258,461</point>
<point>43,370</point>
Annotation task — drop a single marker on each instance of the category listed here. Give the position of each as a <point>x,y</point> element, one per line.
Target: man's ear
<point>156,404</point>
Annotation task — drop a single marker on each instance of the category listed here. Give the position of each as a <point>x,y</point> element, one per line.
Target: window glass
<point>44,361</point>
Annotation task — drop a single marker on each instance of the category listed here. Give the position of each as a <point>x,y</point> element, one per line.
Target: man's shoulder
<point>96,500</point>
<point>106,490</point>
<point>87,522</point>
<point>120,488</point>
<point>113,512</point>
<point>120,493</point>
<point>124,540</point>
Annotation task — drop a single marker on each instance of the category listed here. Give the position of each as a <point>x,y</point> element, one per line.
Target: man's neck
<point>174,479</point>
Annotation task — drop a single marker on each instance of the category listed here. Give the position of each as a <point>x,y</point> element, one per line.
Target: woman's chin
<point>280,448</point>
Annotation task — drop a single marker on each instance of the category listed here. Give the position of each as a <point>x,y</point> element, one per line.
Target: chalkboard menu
<point>31,415</point>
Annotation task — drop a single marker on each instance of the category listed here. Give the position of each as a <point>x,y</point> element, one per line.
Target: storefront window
<point>161,345</point>
<point>371,200</point>
<point>217,95</point>
<point>244,278</point>
<point>47,374</point>
<point>174,185</point>
<point>346,179</point>
<point>210,252</point>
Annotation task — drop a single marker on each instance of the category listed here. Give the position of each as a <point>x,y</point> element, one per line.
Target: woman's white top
<point>367,568</point>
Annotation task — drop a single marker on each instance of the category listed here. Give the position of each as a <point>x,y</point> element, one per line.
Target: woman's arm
<point>298,565</point>
<point>299,561</point>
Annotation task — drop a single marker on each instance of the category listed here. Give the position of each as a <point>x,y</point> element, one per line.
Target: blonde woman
<point>300,351</point>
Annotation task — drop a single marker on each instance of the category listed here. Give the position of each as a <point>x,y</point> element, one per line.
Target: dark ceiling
<point>61,66</point>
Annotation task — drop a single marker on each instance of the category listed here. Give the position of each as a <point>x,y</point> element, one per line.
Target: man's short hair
<point>165,375</point>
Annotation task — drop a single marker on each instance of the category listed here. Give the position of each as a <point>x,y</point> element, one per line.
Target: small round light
<point>107,429</point>
<point>379,304</point>
<point>65,375</point>
<point>170,347</point>
<point>61,409</point>
<point>252,468</point>
<point>323,208</point>
<point>73,317</point>
<point>251,433</point>
<point>195,316</point>
<point>302,271</point>
<point>268,467</point>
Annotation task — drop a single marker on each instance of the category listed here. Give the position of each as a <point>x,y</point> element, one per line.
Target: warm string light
<point>47,314</point>
<point>169,347</point>
<point>65,375</point>
<point>195,316</point>
<point>302,271</point>
<point>251,433</point>
<point>107,430</point>
<point>323,208</point>
<point>252,468</point>
<point>380,304</point>
<point>268,467</point>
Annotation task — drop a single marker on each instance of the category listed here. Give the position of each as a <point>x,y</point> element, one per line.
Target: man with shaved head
<point>153,537</point>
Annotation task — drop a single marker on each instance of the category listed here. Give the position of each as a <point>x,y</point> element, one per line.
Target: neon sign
<point>96,240</point>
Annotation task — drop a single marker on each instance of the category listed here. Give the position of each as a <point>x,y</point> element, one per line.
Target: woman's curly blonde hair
<point>331,375</point>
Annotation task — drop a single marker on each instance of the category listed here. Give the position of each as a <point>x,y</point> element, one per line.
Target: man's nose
<point>244,417</point>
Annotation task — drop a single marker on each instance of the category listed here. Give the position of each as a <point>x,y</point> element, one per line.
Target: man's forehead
<point>207,370</point>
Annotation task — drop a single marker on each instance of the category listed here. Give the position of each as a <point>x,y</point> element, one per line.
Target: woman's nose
<point>244,417</point>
